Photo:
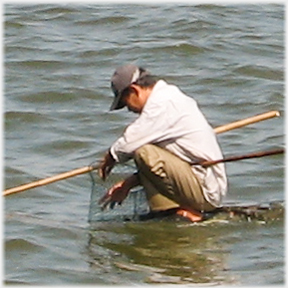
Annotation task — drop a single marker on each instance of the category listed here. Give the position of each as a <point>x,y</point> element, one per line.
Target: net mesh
<point>134,205</point>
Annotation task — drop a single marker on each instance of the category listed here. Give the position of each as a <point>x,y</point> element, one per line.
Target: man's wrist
<point>132,181</point>
<point>113,154</point>
<point>110,154</point>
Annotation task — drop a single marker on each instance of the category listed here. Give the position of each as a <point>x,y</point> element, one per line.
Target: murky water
<point>58,60</point>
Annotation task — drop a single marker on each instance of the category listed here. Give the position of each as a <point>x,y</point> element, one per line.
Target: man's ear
<point>136,89</point>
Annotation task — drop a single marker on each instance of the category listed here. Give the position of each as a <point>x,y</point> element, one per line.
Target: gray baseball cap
<point>122,78</point>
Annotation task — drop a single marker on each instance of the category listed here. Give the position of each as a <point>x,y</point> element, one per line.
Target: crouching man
<point>169,135</point>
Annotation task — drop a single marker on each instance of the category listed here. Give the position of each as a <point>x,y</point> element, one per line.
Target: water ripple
<point>58,62</point>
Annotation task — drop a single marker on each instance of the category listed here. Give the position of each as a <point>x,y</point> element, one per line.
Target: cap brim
<point>116,104</point>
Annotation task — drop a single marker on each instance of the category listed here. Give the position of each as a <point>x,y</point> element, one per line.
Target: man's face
<point>133,100</point>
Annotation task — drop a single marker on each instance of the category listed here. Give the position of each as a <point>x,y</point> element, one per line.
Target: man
<point>169,135</point>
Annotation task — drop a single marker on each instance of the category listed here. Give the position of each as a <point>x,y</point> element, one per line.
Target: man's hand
<point>106,165</point>
<point>118,192</point>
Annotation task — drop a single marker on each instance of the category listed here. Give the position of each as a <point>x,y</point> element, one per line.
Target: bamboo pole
<point>242,157</point>
<point>246,121</point>
<point>49,180</point>
<point>86,169</point>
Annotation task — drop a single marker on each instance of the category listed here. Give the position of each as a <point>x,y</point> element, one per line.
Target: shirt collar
<point>159,85</point>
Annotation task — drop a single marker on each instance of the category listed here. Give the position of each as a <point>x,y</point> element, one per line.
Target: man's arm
<point>150,127</point>
<point>118,192</point>
<point>106,165</point>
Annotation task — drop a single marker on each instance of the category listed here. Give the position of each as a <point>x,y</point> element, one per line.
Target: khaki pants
<point>168,181</point>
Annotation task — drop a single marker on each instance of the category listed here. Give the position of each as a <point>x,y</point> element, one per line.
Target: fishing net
<point>134,205</point>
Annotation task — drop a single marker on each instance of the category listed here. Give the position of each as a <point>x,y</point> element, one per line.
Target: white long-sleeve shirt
<point>173,121</point>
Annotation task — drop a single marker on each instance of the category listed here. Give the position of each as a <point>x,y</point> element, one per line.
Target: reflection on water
<point>171,250</point>
<point>172,253</point>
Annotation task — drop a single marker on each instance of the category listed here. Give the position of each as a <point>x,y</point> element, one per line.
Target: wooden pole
<point>247,121</point>
<point>242,157</point>
<point>87,169</point>
<point>49,180</point>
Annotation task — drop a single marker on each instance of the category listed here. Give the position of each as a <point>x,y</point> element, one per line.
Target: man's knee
<point>150,159</point>
<point>141,155</point>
